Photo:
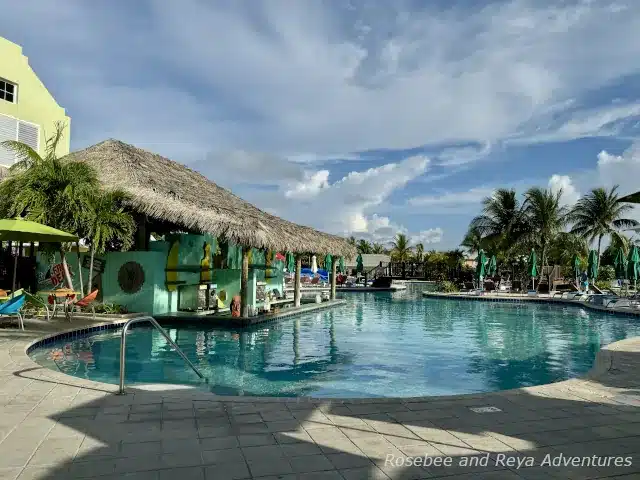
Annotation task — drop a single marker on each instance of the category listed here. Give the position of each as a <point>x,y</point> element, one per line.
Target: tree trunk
<point>244,281</point>
<point>80,270</point>
<point>65,268</point>
<point>90,281</point>
<point>334,261</point>
<point>296,291</point>
<point>544,253</point>
<point>599,244</point>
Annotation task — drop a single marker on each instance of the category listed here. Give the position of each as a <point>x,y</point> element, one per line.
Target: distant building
<point>369,260</point>
<point>470,262</point>
<point>28,112</point>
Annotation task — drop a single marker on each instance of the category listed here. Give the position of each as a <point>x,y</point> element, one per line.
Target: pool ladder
<point>123,347</point>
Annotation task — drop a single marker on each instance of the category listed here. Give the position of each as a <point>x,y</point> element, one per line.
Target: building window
<point>7,91</point>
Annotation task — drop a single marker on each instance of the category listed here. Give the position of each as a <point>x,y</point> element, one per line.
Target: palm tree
<point>565,246</point>
<point>377,248</point>
<point>352,240</point>
<point>545,216</point>
<point>401,251</point>
<point>48,190</point>
<point>363,247</point>
<point>107,220</point>
<point>500,224</point>
<point>599,214</point>
<point>419,252</point>
<point>472,240</point>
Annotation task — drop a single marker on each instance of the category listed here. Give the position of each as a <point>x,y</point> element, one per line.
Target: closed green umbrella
<point>291,262</point>
<point>328,263</point>
<point>21,230</point>
<point>575,263</point>
<point>481,263</point>
<point>620,264</point>
<point>492,266</point>
<point>592,265</point>
<point>633,265</point>
<point>341,266</point>
<point>533,267</point>
<point>359,264</point>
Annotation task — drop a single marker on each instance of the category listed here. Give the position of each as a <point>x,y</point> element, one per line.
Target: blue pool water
<point>378,345</point>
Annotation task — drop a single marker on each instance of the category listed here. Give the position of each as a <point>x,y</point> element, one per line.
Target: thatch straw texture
<point>166,190</point>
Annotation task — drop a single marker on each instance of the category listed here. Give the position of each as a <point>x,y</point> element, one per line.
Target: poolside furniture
<point>84,302</point>
<point>13,307</point>
<point>33,304</point>
<point>56,298</point>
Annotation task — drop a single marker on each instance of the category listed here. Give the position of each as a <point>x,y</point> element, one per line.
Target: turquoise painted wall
<point>153,297</point>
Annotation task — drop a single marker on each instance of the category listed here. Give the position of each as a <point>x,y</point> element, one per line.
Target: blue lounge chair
<point>13,307</point>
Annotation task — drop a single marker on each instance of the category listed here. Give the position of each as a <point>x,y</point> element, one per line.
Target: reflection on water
<point>382,344</point>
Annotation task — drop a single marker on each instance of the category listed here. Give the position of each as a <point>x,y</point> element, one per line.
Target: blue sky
<point>360,117</point>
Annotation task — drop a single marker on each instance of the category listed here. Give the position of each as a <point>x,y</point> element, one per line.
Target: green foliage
<point>401,251</point>
<point>606,273</point>
<point>364,247</point>
<point>110,308</point>
<point>446,287</point>
<point>603,284</point>
<point>377,248</point>
<point>599,214</point>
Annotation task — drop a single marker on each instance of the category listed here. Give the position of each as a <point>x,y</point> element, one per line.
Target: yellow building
<point>28,112</point>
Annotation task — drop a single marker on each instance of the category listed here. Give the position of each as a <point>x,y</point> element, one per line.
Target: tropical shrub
<point>446,287</point>
<point>606,273</point>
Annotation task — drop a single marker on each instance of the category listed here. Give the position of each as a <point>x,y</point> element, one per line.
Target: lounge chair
<point>85,302</point>
<point>13,307</point>
<point>33,304</point>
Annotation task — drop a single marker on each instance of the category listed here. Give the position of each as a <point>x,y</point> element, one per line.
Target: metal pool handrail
<point>123,346</point>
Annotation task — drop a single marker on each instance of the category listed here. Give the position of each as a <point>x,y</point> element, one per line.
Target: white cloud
<point>622,170</point>
<point>347,205</point>
<point>449,202</point>
<point>456,157</point>
<point>323,80</point>
<point>570,194</point>
<point>432,235</point>
<point>310,186</point>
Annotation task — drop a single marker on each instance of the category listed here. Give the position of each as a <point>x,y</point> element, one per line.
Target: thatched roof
<point>168,191</point>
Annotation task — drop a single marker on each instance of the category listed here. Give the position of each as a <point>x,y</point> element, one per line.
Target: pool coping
<point>621,311</point>
<point>606,359</point>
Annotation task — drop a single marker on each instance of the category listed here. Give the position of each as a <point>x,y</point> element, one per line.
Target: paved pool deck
<point>53,426</point>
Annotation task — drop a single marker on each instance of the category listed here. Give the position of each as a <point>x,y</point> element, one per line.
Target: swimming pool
<point>377,345</point>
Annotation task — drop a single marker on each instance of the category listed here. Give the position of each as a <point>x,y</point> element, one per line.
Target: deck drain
<point>485,409</point>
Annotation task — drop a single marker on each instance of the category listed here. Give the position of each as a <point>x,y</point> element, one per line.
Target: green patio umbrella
<point>359,264</point>
<point>575,263</point>
<point>620,264</point>
<point>481,263</point>
<point>592,265</point>
<point>633,265</point>
<point>533,267</point>
<point>21,230</point>
<point>492,266</point>
<point>341,267</point>
<point>328,263</point>
<point>290,263</point>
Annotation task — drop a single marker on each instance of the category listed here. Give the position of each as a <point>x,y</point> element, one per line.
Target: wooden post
<point>244,280</point>
<point>334,261</point>
<point>296,291</point>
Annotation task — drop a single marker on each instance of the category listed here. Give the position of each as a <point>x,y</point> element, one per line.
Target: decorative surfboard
<point>172,265</point>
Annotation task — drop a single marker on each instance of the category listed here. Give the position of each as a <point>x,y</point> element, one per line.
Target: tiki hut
<point>166,190</point>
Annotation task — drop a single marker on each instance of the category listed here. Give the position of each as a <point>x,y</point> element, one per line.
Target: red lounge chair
<point>82,303</point>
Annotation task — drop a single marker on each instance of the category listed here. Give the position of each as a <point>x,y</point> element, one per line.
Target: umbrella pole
<point>15,269</point>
